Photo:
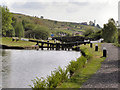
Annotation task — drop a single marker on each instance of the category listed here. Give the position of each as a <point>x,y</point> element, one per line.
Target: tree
<point>109,32</point>
<point>98,26</point>
<point>39,32</point>
<point>111,20</point>
<point>96,35</point>
<point>88,32</point>
<point>19,30</point>
<point>6,21</point>
<point>41,17</point>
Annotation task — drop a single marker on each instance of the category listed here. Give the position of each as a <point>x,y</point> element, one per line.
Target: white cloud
<point>67,10</point>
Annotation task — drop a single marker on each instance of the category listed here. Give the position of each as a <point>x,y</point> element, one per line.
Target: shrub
<point>86,53</point>
<point>75,65</point>
<point>58,76</point>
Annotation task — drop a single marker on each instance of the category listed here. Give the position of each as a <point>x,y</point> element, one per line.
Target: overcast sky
<point>67,10</point>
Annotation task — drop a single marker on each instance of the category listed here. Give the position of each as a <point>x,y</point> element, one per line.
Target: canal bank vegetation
<point>76,73</point>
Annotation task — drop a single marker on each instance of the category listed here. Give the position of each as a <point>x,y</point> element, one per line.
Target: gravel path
<point>107,75</point>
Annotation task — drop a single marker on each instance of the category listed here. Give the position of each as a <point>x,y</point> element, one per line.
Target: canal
<point>19,67</point>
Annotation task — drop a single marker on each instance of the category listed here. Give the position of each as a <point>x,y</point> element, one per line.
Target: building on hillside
<point>84,23</point>
<point>75,23</point>
<point>78,33</point>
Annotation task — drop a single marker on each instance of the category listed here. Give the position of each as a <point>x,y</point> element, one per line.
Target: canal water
<point>19,67</point>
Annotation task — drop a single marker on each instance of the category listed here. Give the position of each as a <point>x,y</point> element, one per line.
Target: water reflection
<point>0,68</point>
<point>22,66</point>
<point>5,68</point>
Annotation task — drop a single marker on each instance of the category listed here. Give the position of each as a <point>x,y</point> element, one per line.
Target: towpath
<point>107,75</point>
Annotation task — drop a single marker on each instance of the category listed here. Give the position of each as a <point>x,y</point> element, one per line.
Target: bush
<point>86,53</point>
<point>75,65</point>
<point>58,76</point>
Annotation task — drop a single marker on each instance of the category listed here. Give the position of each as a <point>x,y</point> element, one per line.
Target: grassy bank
<point>82,74</point>
<point>76,73</point>
<point>8,41</point>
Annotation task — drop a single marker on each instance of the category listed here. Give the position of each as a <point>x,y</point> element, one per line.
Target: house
<point>84,23</point>
<point>78,33</point>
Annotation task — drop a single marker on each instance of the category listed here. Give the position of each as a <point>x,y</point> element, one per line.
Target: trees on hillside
<point>109,32</point>
<point>7,28</point>
<point>39,32</point>
<point>88,32</point>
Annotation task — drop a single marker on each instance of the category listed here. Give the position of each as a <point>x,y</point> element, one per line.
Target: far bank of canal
<point>22,66</point>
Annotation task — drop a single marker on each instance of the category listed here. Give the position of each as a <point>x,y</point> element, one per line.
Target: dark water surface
<point>19,67</point>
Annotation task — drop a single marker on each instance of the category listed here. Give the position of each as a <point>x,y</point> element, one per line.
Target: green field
<point>8,41</point>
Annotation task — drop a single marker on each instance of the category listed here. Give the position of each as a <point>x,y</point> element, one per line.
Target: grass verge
<point>8,41</point>
<point>82,74</point>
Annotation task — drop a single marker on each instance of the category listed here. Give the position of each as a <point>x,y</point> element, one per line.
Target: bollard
<point>96,47</point>
<point>91,45</point>
<point>104,52</point>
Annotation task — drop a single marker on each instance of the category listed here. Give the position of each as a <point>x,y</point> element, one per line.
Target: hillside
<point>56,27</point>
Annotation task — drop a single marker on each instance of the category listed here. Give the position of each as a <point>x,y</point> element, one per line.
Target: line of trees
<point>14,27</point>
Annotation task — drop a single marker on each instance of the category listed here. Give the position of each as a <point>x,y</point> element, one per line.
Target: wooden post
<point>84,43</point>
<point>48,45</point>
<point>96,47</point>
<point>42,46</point>
<point>65,47</point>
<point>104,52</point>
<point>52,46</point>
<point>76,43</point>
<point>91,45</point>
<point>13,39</point>
<point>62,46</point>
<point>68,47</point>
<point>37,43</point>
<point>57,46</point>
